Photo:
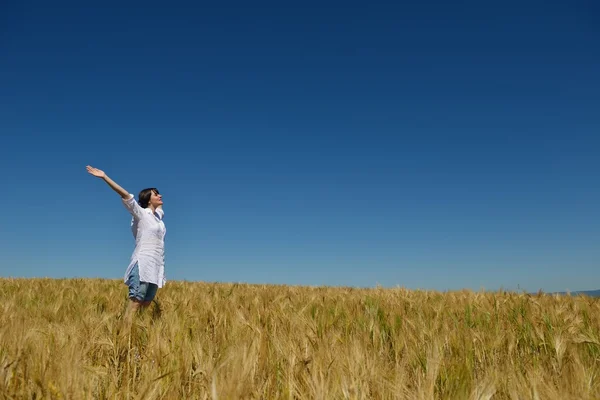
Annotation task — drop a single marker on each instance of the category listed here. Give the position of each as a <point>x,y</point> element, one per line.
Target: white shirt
<point>149,232</point>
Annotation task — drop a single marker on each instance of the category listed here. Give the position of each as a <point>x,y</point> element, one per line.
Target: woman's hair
<point>144,196</point>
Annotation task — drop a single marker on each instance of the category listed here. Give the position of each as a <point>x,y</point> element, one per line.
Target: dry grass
<point>60,339</point>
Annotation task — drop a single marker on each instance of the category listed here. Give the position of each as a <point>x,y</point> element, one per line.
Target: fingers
<point>93,171</point>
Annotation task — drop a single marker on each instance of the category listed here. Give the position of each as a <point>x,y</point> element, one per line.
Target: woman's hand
<point>113,185</point>
<point>96,172</point>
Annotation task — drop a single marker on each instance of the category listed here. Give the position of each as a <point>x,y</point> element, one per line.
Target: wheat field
<point>62,339</point>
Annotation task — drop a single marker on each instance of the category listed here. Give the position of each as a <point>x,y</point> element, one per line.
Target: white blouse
<point>149,232</point>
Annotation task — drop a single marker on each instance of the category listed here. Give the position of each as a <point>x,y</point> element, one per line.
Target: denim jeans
<point>141,291</point>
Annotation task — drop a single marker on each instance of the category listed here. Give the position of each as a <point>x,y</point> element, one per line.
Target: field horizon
<point>63,338</point>
<point>586,292</point>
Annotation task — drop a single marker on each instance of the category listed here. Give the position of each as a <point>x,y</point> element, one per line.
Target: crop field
<point>64,339</point>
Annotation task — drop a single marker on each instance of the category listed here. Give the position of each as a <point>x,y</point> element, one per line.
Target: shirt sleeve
<point>133,207</point>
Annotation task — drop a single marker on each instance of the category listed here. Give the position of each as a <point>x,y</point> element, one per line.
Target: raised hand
<point>113,185</point>
<point>95,171</point>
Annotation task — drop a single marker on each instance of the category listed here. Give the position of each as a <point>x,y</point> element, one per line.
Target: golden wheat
<point>60,339</point>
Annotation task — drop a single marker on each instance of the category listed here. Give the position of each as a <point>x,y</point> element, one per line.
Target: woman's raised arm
<point>114,186</point>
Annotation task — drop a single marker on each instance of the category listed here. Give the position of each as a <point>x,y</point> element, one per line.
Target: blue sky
<point>434,145</point>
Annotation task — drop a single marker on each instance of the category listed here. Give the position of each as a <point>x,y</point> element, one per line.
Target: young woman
<point>146,270</point>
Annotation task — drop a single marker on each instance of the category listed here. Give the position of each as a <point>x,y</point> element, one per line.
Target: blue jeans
<point>141,291</point>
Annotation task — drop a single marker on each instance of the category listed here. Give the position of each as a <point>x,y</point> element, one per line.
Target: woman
<point>146,271</point>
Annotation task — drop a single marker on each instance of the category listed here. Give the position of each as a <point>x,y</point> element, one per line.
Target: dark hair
<point>144,196</point>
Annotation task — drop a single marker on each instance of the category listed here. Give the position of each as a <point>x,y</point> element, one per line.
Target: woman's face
<point>155,199</point>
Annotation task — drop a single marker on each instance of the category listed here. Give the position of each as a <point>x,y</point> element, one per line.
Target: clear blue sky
<point>433,144</point>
